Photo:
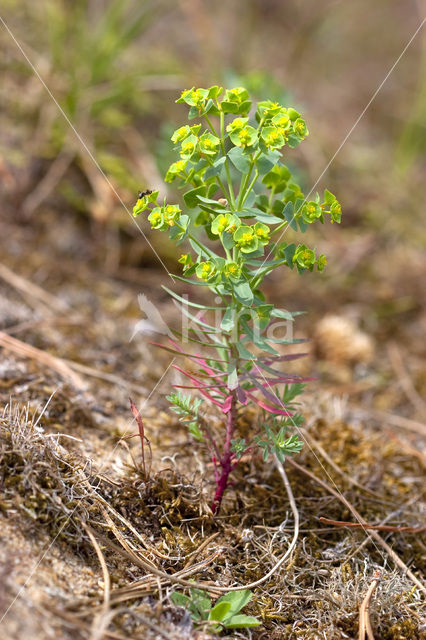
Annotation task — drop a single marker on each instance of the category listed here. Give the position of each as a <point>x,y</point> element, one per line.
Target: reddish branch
<point>376,527</point>
<point>226,460</point>
<point>137,416</point>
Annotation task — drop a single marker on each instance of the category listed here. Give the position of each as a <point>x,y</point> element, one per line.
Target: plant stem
<point>228,174</point>
<point>226,458</point>
<point>250,187</point>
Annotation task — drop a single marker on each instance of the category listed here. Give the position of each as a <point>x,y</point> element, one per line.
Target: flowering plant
<point>239,199</point>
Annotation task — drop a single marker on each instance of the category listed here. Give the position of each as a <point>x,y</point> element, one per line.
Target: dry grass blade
<point>45,358</point>
<point>48,183</point>
<point>145,564</point>
<point>137,416</point>
<point>202,546</point>
<point>47,300</point>
<point>393,420</point>
<point>376,527</point>
<point>108,377</point>
<point>316,445</point>
<point>373,533</point>
<point>364,611</point>
<point>151,569</point>
<point>101,621</point>
<point>404,379</point>
<point>383,522</point>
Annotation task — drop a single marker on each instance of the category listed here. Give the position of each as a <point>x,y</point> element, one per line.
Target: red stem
<point>227,457</point>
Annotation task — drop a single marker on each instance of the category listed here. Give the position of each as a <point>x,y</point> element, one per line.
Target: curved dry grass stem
<point>102,620</point>
<point>404,379</point>
<point>151,569</point>
<point>278,565</point>
<point>364,611</point>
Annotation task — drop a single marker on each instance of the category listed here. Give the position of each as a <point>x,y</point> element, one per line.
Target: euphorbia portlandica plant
<point>240,199</point>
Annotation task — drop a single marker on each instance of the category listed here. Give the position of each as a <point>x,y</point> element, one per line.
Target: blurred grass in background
<point>117,66</point>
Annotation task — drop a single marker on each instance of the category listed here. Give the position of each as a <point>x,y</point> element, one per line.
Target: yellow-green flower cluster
<point>143,203</point>
<point>305,258</point>
<point>242,134</point>
<point>206,270</point>
<point>175,170</point>
<point>248,238</point>
<point>163,218</point>
<point>225,222</point>
<point>279,125</point>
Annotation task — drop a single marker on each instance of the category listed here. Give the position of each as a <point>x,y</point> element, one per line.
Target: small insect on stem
<point>142,194</point>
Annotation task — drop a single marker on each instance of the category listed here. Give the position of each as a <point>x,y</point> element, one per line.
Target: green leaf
<point>267,161</point>
<point>228,320</point>
<point>329,197</point>
<point>180,599</point>
<point>239,159</point>
<point>293,114</point>
<point>291,391</point>
<point>243,293</point>
<point>214,91</point>
<point>261,216</point>
<point>208,200</point>
<point>216,168</point>
<point>229,107</point>
<point>288,213</point>
<point>242,622</point>
<point>219,611</point>
<point>293,141</point>
<point>191,197</point>
<point>277,178</point>
<point>243,352</point>
<point>232,382</point>
<point>281,313</point>
<point>201,602</point>
<point>245,107</point>
<point>187,302</point>
<point>193,113</point>
<point>237,600</point>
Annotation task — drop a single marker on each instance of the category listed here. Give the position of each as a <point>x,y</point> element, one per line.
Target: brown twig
<point>47,301</point>
<point>100,621</point>
<point>393,420</point>
<point>364,610</point>
<point>376,527</point>
<point>48,183</point>
<point>404,379</point>
<point>108,377</point>
<point>397,560</point>
<point>197,551</point>
<point>28,351</point>
<point>137,416</point>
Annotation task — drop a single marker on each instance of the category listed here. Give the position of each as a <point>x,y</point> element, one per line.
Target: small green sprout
<point>224,614</point>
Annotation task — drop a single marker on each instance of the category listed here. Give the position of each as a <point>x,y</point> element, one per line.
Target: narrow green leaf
<point>190,304</point>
